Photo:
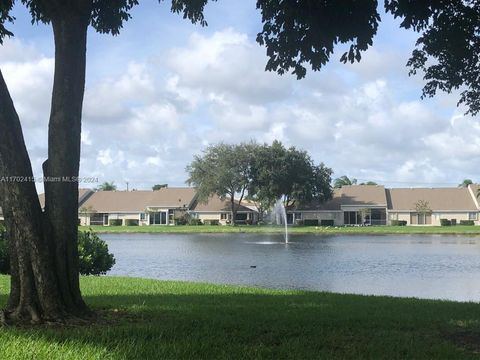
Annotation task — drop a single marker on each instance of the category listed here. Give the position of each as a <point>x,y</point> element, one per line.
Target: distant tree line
<point>262,173</point>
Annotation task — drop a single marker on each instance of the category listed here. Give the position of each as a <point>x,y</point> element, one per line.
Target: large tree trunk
<point>43,245</point>
<point>34,290</point>
<point>64,136</point>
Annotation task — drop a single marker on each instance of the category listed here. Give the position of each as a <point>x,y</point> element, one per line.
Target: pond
<point>423,266</point>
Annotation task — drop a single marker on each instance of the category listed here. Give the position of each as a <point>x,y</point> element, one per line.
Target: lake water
<point>423,266</point>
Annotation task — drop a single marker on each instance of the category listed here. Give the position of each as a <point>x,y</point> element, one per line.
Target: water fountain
<point>281,214</point>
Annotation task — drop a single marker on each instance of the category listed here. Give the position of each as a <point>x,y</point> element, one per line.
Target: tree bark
<point>43,245</point>
<point>34,288</point>
<point>62,166</point>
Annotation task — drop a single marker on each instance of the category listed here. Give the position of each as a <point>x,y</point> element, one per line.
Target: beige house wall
<point>218,216</point>
<point>211,216</point>
<point>337,217</point>
<point>436,216</point>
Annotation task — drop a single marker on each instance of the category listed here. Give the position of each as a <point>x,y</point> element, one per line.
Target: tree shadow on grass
<point>241,325</point>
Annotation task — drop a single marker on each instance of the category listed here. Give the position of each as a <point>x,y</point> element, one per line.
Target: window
<point>143,216</point>
<point>223,216</point>
<point>420,219</point>
<point>351,218</point>
<point>158,218</point>
<point>473,216</point>
<point>298,216</point>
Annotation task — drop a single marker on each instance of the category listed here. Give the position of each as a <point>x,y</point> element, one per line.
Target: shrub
<point>115,222</point>
<point>310,222</point>
<point>131,222</point>
<point>93,255</point>
<point>445,222</point>
<point>94,258</point>
<point>211,222</point>
<point>299,222</point>
<point>182,220</point>
<point>195,222</point>
<point>398,222</point>
<point>467,222</point>
<point>453,222</point>
<point>327,223</point>
<point>4,260</point>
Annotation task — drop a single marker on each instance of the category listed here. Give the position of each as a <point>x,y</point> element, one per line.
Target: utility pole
<point>127,185</point>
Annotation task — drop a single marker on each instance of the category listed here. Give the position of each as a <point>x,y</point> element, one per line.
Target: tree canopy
<point>303,32</point>
<point>342,181</point>
<point>107,186</point>
<point>278,172</point>
<point>465,183</point>
<point>222,170</point>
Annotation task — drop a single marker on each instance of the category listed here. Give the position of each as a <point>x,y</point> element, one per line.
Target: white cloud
<point>143,123</point>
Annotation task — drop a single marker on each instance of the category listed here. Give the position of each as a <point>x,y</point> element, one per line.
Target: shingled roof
<point>446,199</point>
<point>138,201</point>
<point>215,204</point>
<point>351,195</point>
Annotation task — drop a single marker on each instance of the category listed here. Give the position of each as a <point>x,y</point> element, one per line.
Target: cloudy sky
<point>164,89</point>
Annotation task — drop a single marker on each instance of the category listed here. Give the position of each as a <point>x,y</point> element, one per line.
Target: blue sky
<point>164,89</point>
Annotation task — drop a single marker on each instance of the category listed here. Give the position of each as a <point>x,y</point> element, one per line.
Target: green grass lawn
<point>151,319</point>
<point>472,230</point>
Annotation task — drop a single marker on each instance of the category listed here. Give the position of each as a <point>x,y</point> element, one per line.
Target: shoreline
<point>294,230</point>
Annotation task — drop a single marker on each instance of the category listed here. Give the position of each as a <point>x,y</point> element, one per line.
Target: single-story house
<point>83,195</point>
<point>350,205</point>
<point>159,207</point>
<point>221,210</point>
<point>427,206</point>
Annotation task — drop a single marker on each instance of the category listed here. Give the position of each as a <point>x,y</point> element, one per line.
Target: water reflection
<point>424,266</point>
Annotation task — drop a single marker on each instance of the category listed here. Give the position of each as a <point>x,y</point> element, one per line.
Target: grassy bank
<point>472,230</point>
<point>153,319</point>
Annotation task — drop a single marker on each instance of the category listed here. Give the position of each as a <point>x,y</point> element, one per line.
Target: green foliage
<point>107,186</point>
<point>94,258</point>
<point>131,222</point>
<point>301,33</point>
<point>310,222</point>
<point>467,222</point>
<point>369,183</point>
<point>326,222</point>
<point>447,50</point>
<point>4,257</point>
<point>465,183</point>
<point>214,222</point>
<point>343,181</point>
<point>445,222</point>
<point>148,319</point>
<point>159,186</point>
<point>398,222</point>
<point>115,222</point>
<point>278,172</point>
<point>422,207</point>
<point>306,32</point>
<point>182,220</point>
<point>222,170</point>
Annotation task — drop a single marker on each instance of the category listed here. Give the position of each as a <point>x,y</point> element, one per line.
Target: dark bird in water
<point>253,266</point>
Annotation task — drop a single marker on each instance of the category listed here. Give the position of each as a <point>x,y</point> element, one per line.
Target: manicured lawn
<point>176,320</point>
<point>473,230</point>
